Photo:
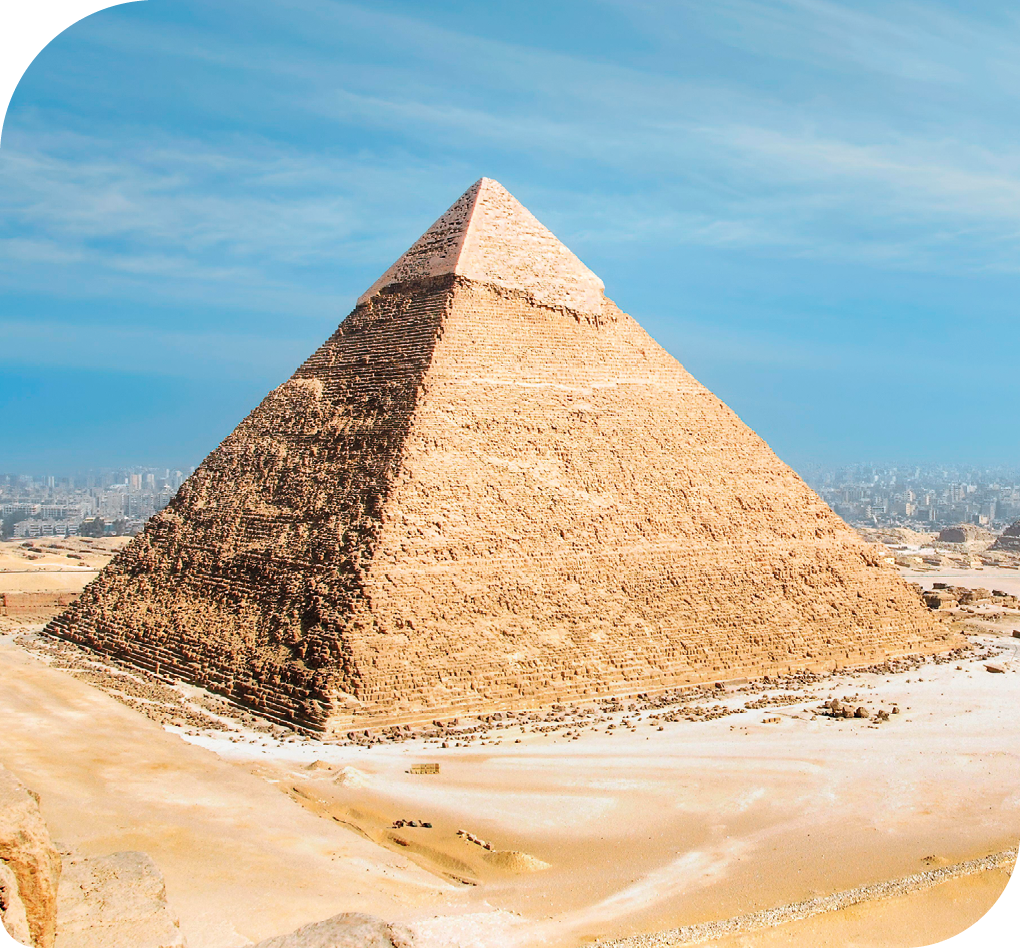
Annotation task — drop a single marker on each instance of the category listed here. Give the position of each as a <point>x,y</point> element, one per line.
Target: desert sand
<point>54,564</point>
<point>545,831</point>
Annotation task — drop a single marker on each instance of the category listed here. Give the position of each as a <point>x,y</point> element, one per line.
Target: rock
<point>348,930</point>
<point>116,901</point>
<point>514,861</point>
<point>30,858</point>
<point>13,915</point>
<point>861,713</point>
<point>996,669</point>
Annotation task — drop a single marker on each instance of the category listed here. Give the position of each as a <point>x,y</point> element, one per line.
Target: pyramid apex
<point>487,235</point>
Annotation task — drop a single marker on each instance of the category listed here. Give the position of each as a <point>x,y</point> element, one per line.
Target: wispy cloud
<point>119,349</point>
<point>317,141</point>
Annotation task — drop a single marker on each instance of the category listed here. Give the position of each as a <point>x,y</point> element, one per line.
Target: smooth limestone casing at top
<point>490,488</point>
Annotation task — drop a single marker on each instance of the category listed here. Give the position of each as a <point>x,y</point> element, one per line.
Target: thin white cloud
<point>119,348</point>
<point>712,164</point>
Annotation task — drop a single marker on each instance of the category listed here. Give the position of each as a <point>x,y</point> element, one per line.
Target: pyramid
<point>1009,540</point>
<point>489,488</point>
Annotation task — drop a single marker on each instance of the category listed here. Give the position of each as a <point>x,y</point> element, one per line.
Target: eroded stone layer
<point>251,581</point>
<point>467,500</point>
<point>575,514</point>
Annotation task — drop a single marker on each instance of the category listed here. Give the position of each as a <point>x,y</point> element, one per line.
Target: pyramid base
<point>339,724</point>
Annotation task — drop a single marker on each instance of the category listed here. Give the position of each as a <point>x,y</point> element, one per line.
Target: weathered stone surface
<point>490,488</point>
<point>28,854</point>
<point>1009,540</point>
<point>13,914</point>
<point>964,533</point>
<point>349,930</point>
<point>116,901</point>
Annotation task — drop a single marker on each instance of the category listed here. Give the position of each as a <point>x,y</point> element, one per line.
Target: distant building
<point>44,528</point>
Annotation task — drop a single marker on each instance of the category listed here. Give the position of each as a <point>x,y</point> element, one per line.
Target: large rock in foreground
<point>490,488</point>
<point>116,901</point>
<point>348,930</point>
<point>29,865</point>
<point>13,914</point>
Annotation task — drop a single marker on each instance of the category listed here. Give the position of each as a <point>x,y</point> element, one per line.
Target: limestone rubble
<point>490,488</point>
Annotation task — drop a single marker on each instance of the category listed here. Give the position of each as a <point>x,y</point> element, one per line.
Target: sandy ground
<point>54,564</point>
<point>229,843</point>
<point>645,826</point>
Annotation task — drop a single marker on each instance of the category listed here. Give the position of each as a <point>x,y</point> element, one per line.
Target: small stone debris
<point>471,838</point>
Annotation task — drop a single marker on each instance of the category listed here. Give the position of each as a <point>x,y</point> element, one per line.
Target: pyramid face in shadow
<point>490,488</point>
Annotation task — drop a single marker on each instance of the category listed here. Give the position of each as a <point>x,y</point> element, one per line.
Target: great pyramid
<point>489,488</point>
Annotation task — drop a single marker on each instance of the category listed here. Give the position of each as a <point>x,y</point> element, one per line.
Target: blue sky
<point>815,206</point>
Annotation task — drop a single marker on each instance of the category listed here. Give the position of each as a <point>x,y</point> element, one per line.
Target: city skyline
<point>922,497</point>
